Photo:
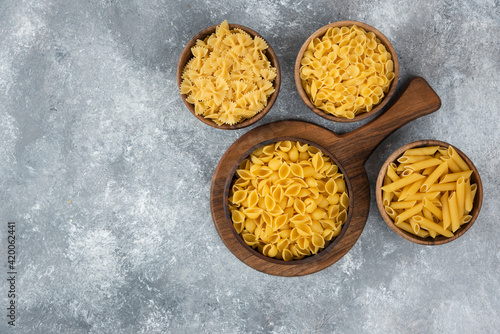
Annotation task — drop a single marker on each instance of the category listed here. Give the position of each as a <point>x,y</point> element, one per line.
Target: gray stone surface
<point>107,174</point>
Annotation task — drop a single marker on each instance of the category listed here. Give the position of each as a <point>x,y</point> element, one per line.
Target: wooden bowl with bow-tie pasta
<point>228,76</point>
<point>346,71</point>
<point>429,192</point>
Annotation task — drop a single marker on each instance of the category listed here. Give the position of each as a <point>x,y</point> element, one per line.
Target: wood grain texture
<point>350,151</point>
<point>186,56</point>
<point>439,240</point>
<point>318,34</point>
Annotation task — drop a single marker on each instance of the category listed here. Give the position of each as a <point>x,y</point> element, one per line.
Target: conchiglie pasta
<point>228,78</point>
<point>347,72</point>
<point>288,200</point>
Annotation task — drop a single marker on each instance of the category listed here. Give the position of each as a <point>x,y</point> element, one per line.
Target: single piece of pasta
<point>288,200</point>
<point>435,198</point>
<point>432,178</point>
<point>430,150</point>
<point>431,226</point>
<point>403,182</point>
<point>446,211</point>
<point>408,228</point>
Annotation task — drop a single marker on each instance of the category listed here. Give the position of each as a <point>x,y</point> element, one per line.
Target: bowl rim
<point>186,56</point>
<point>439,240</point>
<point>319,33</point>
<point>309,258</point>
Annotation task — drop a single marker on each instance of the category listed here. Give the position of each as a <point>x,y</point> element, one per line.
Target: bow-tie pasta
<point>288,200</point>
<point>347,72</point>
<point>229,78</point>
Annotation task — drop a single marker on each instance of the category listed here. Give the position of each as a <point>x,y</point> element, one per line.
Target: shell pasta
<point>288,200</point>
<point>430,192</point>
<point>347,72</point>
<point>229,78</point>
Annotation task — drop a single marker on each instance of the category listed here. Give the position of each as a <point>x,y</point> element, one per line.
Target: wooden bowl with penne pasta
<point>429,192</point>
<point>228,76</point>
<point>346,71</point>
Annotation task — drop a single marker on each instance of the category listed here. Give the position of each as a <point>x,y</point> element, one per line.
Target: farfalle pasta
<point>288,200</point>
<point>229,78</point>
<point>347,72</point>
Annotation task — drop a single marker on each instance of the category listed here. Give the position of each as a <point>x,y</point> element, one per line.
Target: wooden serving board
<point>350,151</point>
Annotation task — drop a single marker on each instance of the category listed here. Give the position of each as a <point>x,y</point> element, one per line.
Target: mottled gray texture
<point>107,174</point>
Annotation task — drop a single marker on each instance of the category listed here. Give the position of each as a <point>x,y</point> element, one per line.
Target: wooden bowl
<point>328,245</point>
<point>186,56</point>
<point>349,151</point>
<point>318,34</point>
<point>439,240</point>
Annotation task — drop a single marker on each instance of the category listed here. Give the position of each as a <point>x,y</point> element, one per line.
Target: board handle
<point>418,99</point>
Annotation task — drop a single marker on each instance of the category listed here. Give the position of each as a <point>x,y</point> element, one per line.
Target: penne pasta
<point>408,228</point>
<point>443,151</point>
<point>437,202</point>
<point>427,214</point>
<point>428,170</point>
<point>452,177</point>
<point>386,195</point>
<point>454,216</point>
<point>407,172</point>
<point>403,182</point>
<point>403,205</point>
<point>443,187</point>
<point>420,196</point>
<point>452,165</point>
<point>404,192</point>
<point>412,159</point>
<point>391,173</point>
<point>411,190</point>
<point>401,167</point>
<point>423,164</point>
<point>431,179</point>
<point>446,211</point>
<point>409,213</point>
<point>433,209</point>
<point>468,197</point>
<point>430,185</point>
<point>415,227</point>
<point>461,196</point>
<point>430,150</point>
<point>465,219</point>
<point>457,159</point>
<point>473,188</point>
<point>390,211</point>
<point>431,226</point>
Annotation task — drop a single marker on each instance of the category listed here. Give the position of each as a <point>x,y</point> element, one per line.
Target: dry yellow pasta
<point>347,72</point>
<point>288,200</point>
<point>429,204</point>
<point>229,78</point>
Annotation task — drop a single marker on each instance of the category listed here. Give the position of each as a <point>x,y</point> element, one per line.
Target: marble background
<point>107,174</point>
